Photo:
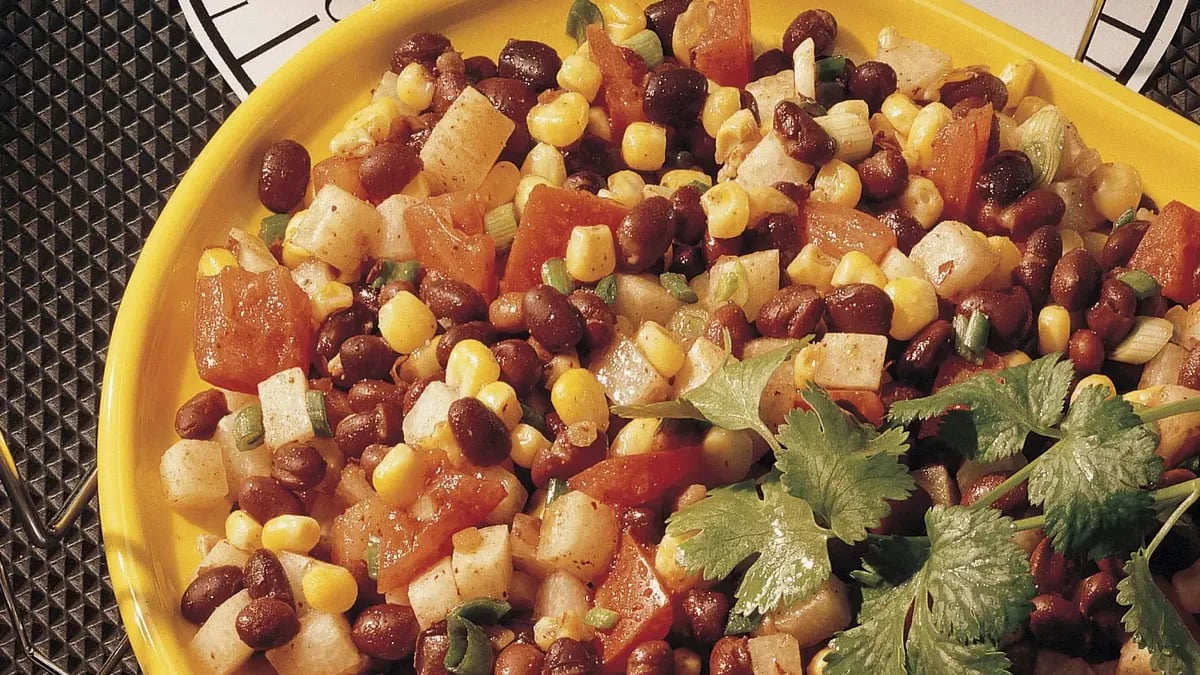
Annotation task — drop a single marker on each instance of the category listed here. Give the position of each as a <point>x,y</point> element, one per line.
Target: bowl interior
<point>151,550</point>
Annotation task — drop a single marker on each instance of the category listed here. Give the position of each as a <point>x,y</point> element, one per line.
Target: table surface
<point>102,108</point>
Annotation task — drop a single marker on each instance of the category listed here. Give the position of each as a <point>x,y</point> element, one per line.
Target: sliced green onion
<point>554,273</point>
<point>582,13</point>
<point>831,68</point>
<point>1143,284</point>
<point>741,624</point>
<point>734,285</point>
<point>394,270</point>
<point>1042,138</point>
<point>851,133</point>
<point>601,618</point>
<point>645,43</point>
<point>1144,342</point>
<point>273,228</point>
<point>677,285</point>
<point>606,288</point>
<point>971,335</point>
<point>556,488</point>
<point>1126,218</point>
<point>534,418</point>
<point>483,611</point>
<point>700,186</point>
<point>814,109</point>
<point>314,401</point>
<point>248,428</point>
<point>372,556</point>
<point>470,651</point>
<point>501,224</point>
<point>687,323</point>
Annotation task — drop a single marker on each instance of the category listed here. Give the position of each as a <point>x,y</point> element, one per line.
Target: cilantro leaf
<point>972,587</point>
<point>733,524</point>
<point>1001,408</point>
<point>1089,483</point>
<point>730,397</point>
<point>1155,624</point>
<point>844,469</point>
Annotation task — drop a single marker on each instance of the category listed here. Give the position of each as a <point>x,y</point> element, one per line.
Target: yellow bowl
<point>151,550</point>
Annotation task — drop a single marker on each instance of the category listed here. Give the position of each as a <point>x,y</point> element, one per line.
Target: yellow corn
<point>243,531</point>
<point>213,260</point>
<point>644,146</point>
<point>727,455</point>
<point>591,253</point>
<point>837,182</point>
<point>598,123</point>
<point>1054,329</point>
<point>807,362</point>
<point>580,75</point>
<point>414,86</point>
<point>670,570</point>
<point>377,120</point>
<point>856,107</point>
<point>819,664</point>
<point>677,178</point>
<point>622,19</point>
<point>293,255</point>
<point>297,534</point>
<point>546,161</point>
<point>329,588</point>
<point>501,399</point>
<point>928,121</point>
<point>914,306</point>
<point>765,201</point>
<point>900,111</point>
<point>524,188</point>
<point>422,362</point>
<point>406,323</point>
<point>1116,188</point>
<point>559,364</point>
<point>560,121</point>
<point>635,438</point>
<point>814,267</point>
<point>727,207</point>
<point>1145,396</point>
<point>354,142</point>
<point>399,476</point>
<point>577,396</point>
<point>526,442</point>
<point>721,104</point>
<point>1015,358</point>
<point>923,201</point>
<point>625,187</point>
<point>687,662</point>
<point>331,297</point>
<point>1016,76</point>
<point>1092,381</point>
<point>739,128</point>
<point>662,350</point>
<point>1008,256</point>
<point>568,625</point>
<point>857,268</point>
<point>471,366</point>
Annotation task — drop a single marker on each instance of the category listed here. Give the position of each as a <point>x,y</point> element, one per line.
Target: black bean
<point>534,63</point>
<point>479,68</point>
<point>366,394</point>
<point>817,24</point>
<point>381,425</point>
<point>1075,280</point>
<point>519,365</point>
<point>907,229</point>
<point>1009,313</point>
<point>1112,315</point>
<point>644,234</point>
<point>978,86</point>
<point>771,62</point>
<point>265,578</point>
<point>1056,624</point>
<point>553,320</point>
<point>730,656</point>
<point>716,248</point>
<point>792,312</point>
<point>514,98</point>
<point>387,169</point>
<point>1122,243</point>
<point>480,434</point>
<point>366,357</point>
<point>690,221</point>
<point>1005,177</point>
<point>804,139</point>
<point>585,181</point>
<point>675,96</point>
<point>651,658</point>
<point>925,351</point>
<point>423,48</point>
<point>729,319</point>
<point>884,174</point>
<point>386,632</point>
<point>449,81</point>
<point>661,18</point>
<point>519,658</point>
<point>197,419</point>
<point>264,498</point>
<point>209,591</point>
<point>706,613</point>
<point>872,81</point>
<point>687,260</point>
<point>267,623</point>
<point>481,331</point>
<point>578,447</point>
<point>341,326</point>
<point>1086,351</point>
<point>570,657</point>
<point>1035,209</point>
<point>284,175</point>
<point>599,321</point>
<point>298,467</point>
<point>859,308</point>
<point>453,300</point>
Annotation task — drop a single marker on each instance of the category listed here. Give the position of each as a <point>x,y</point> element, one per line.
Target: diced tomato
<point>339,171</point>
<point>622,80</point>
<point>639,479</point>
<point>353,529</point>
<point>865,405</point>
<point>634,591</point>
<point>250,326</point>
<point>546,225</point>
<point>1170,252</point>
<point>410,545</point>
<point>956,369</point>
<point>724,53</point>
<point>447,233</point>
<point>837,229</point>
<point>959,149</point>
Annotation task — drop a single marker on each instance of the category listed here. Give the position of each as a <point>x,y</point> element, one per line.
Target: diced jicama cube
<point>804,62</point>
<point>846,361</point>
<point>1178,436</point>
<point>193,475</point>
<point>239,464</point>
<point>641,298</point>
<point>769,163</point>
<point>579,535</point>
<point>772,654</point>
<point>222,553</point>
<point>253,255</point>
<point>294,565</point>
<point>353,486</point>
<point>1164,367</point>
<point>433,594</point>
<point>917,65</point>
<point>560,593</point>
<point>284,409</point>
<point>759,273</point>
<point>430,409</point>
<point>523,544</point>
<point>465,143</point>
<point>627,375</point>
<point>896,265</point>
<point>482,562</point>
<point>955,258</point>
<point>769,91</point>
<point>216,646</point>
<point>323,645</point>
<point>311,276</point>
<point>514,500</point>
<point>394,243</point>
<point>703,359</point>
<point>339,228</point>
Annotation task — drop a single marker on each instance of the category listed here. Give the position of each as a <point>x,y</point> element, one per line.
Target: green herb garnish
<point>581,14</point>
<point>273,228</point>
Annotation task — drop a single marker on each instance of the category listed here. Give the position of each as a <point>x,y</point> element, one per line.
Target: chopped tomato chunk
<point>865,405</point>
<point>339,171</point>
<point>622,80</point>
<point>250,326</point>
<point>724,53</point>
<point>546,225</point>
<point>634,591</point>
<point>1170,252</point>
<point>639,479</point>
<point>959,150</point>
<point>837,229</point>
<point>448,235</point>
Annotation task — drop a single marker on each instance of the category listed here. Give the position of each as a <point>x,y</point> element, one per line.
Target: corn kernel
<point>923,201</point>
<point>524,189</point>
<point>213,260</point>
<point>739,128</point>
<point>622,19</point>
<point>546,161</point>
<point>666,562</point>
<point>526,443</point>
<point>914,306</point>
<point>1116,188</point>
<point>1015,358</point>
<point>577,396</point>
<point>625,187</point>
<point>399,477</point>
<point>414,86</point>
<point>662,350</point>
<point>355,142</point>
<point>297,534</point>
<point>766,201</point>
<point>471,366</point>
<point>644,146</point>
<point>560,121</point>
<point>406,323</point>
<point>442,438</point>
<point>814,267</point>
<point>854,106</point>
<point>727,455</point>
<point>1008,256</point>
<point>243,531</point>
<point>1054,329</point>
<point>857,267</point>
<point>900,110</point>
<point>591,253</point>
<point>838,183</point>
<point>580,75</point>
<point>422,362</point>
<point>378,119</point>
<point>687,662</point>
<point>500,185</point>
<point>1016,76</point>
<point>806,364</point>
<point>1094,380</point>
<point>677,178</point>
<point>331,297</point>
<point>721,104</point>
<point>598,123</point>
<point>928,121</point>
<point>635,438</point>
<point>1143,397</point>
<point>502,399</point>
<point>566,625</point>
<point>329,588</point>
<point>727,207</point>
<point>819,664</point>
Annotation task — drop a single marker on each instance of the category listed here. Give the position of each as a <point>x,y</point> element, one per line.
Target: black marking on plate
<point>278,40</point>
<point>230,9</point>
<point>218,43</point>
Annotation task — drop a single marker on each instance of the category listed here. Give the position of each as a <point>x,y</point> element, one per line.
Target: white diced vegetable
<point>465,143</point>
<point>386,87</point>
<point>917,65</point>
<point>311,276</point>
<point>353,486</point>
<point>253,255</point>
<point>769,163</point>
<point>775,654</point>
<point>239,465</point>
<point>482,562</point>
<point>759,272</point>
<point>339,228</point>
<point>433,594</point>
<point>955,258</point>
<point>236,400</point>
<point>804,60</point>
<point>394,242</point>
<point>627,375</point>
<point>641,298</point>
<point>222,553</point>
<point>284,409</point>
<point>514,499</point>
<point>849,361</point>
<point>294,565</point>
<point>216,646</point>
<point>430,409</point>
<point>193,475</point>
<point>814,619</point>
<point>560,593</point>
<point>323,645</point>
<point>769,91</point>
<point>579,535</point>
<point>703,359</point>
<point>1178,436</point>
<point>523,544</point>
<point>1164,367</point>
<point>896,265</point>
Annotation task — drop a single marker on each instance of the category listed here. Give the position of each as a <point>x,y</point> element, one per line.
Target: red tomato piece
<point>352,531</point>
<point>339,171</point>
<point>956,369</point>
<point>724,53</point>
<point>249,326</point>
<point>410,545</point>
<point>1170,252</point>
<point>634,591</point>
<point>837,230</point>
<point>959,149</point>
<point>622,80</point>
<point>865,405</point>
<point>448,235</point>
<point>639,479</point>
<point>546,225</point>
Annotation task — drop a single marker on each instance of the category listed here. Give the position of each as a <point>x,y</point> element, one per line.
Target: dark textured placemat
<point>102,108</point>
